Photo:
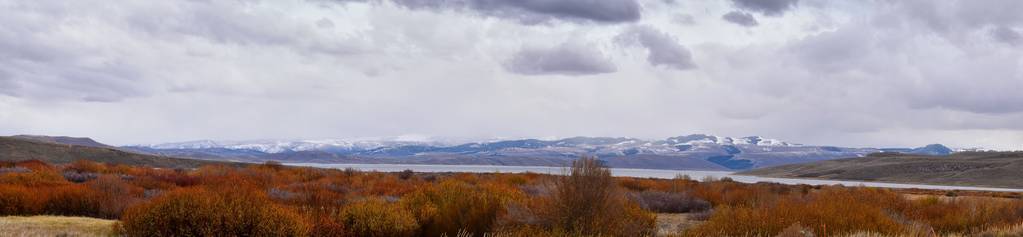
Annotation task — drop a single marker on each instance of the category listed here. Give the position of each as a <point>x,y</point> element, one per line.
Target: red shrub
<point>198,212</point>
<point>454,206</point>
<point>376,218</point>
<point>19,200</point>
<point>74,200</point>
<point>116,194</point>
<point>86,166</point>
<point>36,178</point>
<point>831,211</point>
<point>35,165</point>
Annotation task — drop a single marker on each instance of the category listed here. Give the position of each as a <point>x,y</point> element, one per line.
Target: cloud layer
<point>863,73</point>
<point>536,11</point>
<point>740,18</point>
<point>662,49</point>
<point>767,7</point>
<point>565,59</point>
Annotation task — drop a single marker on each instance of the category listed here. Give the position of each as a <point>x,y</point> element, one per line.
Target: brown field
<point>40,226</point>
<point>275,200</point>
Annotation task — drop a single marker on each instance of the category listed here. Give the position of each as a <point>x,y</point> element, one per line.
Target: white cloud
<point>874,73</point>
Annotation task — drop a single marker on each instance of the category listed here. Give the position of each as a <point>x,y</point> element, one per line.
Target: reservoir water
<point>639,173</point>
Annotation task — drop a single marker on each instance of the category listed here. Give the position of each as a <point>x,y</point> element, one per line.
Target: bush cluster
<point>275,200</point>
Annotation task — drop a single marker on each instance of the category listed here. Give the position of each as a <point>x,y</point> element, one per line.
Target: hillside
<point>17,149</point>
<point>987,169</point>
<point>81,141</point>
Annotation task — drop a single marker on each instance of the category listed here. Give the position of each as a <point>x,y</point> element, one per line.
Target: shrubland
<point>276,200</point>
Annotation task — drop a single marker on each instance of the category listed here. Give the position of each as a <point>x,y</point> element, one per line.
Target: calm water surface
<point>640,173</point>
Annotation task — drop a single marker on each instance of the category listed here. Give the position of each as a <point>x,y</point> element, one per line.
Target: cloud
<point>7,86</point>
<point>684,19</point>
<point>919,72</point>
<point>537,11</point>
<point>885,73</point>
<point>37,62</point>
<point>740,18</point>
<point>767,7</point>
<point>140,49</point>
<point>662,49</point>
<point>950,18</point>
<point>565,59</point>
<point>1006,35</point>
<point>325,23</point>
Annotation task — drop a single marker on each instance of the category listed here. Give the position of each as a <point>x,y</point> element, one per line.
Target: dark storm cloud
<point>663,49</point>
<point>538,11</point>
<point>1006,35</point>
<point>740,18</point>
<point>566,59</point>
<point>767,7</point>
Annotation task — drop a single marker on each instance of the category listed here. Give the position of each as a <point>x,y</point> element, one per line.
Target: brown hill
<point>982,169</point>
<point>21,148</point>
<point>81,141</point>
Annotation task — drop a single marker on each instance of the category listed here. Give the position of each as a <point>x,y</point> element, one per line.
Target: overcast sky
<point>849,73</point>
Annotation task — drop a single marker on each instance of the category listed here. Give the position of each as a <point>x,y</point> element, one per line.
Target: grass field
<point>32,226</point>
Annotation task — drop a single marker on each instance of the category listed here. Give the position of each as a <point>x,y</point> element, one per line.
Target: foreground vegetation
<point>275,200</point>
<point>48,226</point>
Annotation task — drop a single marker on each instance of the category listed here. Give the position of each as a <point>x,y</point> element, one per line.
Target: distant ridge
<point>80,141</point>
<point>62,150</point>
<point>687,152</point>
<point>982,169</point>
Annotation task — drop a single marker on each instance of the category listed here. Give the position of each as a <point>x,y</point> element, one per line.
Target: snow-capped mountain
<point>697,151</point>
<point>364,144</point>
<point>280,146</point>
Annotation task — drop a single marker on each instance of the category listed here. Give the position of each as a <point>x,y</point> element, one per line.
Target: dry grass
<point>669,224</point>
<point>54,226</point>
<point>1015,230</point>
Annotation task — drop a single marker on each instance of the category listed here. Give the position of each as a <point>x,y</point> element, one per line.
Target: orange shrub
<point>377,218</point>
<point>74,200</point>
<point>315,195</point>
<point>86,166</point>
<point>271,199</point>
<point>19,200</point>
<point>36,178</point>
<point>116,195</point>
<point>831,211</point>
<point>588,202</point>
<point>198,212</point>
<point>454,206</point>
<point>35,165</point>
<point>642,184</point>
<point>962,215</point>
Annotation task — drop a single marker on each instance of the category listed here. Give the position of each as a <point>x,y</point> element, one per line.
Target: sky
<point>872,73</point>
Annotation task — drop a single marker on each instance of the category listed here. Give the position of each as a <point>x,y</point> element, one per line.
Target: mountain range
<point>691,152</point>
